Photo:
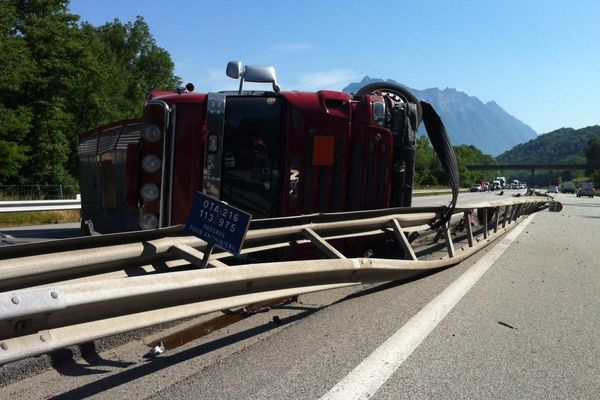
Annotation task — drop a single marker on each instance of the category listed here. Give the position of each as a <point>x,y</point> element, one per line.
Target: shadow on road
<point>390,285</point>
<point>166,361</point>
<point>63,361</point>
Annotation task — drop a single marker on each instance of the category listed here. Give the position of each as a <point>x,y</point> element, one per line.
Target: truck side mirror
<point>262,74</point>
<point>252,73</point>
<point>234,69</point>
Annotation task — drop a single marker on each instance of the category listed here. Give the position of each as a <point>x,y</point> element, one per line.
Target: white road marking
<point>364,380</point>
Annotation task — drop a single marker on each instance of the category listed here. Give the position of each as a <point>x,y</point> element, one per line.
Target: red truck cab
<point>271,153</point>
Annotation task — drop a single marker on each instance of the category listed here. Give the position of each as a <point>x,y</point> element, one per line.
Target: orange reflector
<point>323,151</point>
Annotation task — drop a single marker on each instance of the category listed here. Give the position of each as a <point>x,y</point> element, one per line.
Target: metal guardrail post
<point>449,243</point>
<point>485,223</point>
<point>321,244</point>
<point>467,219</point>
<point>403,240</point>
<point>496,219</point>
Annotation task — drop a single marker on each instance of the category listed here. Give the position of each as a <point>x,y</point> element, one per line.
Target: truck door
<point>252,154</point>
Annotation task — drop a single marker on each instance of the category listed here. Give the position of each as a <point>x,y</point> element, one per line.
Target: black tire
<point>393,91</point>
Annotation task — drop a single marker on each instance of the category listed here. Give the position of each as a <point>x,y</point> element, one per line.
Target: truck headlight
<point>148,221</point>
<point>150,191</point>
<point>378,112</point>
<point>151,133</point>
<point>151,163</point>
<point>213,143</point>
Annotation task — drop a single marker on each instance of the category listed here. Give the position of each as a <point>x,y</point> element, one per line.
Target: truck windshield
<point>252,151</point>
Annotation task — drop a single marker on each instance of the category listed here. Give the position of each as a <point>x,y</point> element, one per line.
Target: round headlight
<point>151,133</point>
<point>150,191</point>
<point>151,163</point>
<point>148,221</point>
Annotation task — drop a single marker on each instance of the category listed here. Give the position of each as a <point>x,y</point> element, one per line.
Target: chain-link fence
<point>38,192</point>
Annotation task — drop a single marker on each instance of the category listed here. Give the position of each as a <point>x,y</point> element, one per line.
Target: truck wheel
<point>395,92</point>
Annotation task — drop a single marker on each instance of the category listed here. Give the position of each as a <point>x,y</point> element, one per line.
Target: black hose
<point>445,152</point>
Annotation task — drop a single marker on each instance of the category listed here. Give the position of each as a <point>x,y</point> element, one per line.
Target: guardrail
<point>75,204</point>
<point>40,205</point>
<point>138,279</point>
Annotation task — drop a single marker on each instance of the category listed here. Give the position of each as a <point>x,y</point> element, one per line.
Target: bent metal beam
<point>42,311</point>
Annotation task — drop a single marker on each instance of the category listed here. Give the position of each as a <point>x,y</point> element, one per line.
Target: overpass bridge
<point>531,167</point>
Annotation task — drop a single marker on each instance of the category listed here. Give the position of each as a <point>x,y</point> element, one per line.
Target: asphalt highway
<point>519,319</point>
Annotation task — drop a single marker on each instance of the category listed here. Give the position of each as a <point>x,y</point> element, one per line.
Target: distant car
<point>476,188</point>
<point>552,189</point>
<point>586,189</point>
<point>568,187</point>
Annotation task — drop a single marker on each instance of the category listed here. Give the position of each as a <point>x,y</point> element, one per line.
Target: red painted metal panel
<point>188,161</point>
<point>132,174</point>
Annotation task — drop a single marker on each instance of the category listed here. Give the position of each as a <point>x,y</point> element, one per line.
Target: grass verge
<point>38,218</point>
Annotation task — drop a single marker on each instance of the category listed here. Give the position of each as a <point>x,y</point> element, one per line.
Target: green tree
<point>51,37</point>
<point>123,64</point>
<point>471,155</point>
<point>60,78</point>
<point>129,65</point>
<point>428,169</point>
<point>592,154</point>
<point>15,116</point>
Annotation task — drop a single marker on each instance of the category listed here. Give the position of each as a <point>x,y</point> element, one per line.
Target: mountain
<point>561,145</point>
<point>467,120</point>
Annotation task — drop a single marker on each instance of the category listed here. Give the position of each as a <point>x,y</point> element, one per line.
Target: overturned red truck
<point>271,153</point>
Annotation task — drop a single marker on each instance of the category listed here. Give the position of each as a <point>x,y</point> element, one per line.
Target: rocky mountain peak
<point>467,119</point>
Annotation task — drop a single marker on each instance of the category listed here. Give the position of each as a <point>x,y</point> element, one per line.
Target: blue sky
<point>539,60</point>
